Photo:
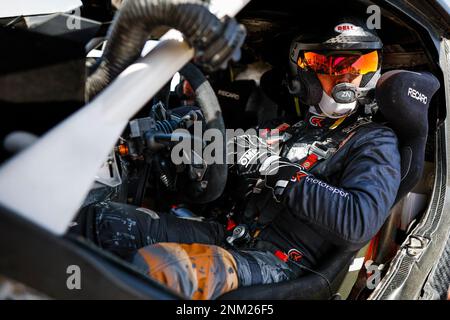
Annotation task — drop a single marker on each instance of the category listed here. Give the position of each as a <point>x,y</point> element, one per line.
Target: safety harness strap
<point>322,150</point>
<point>318,152</point>
<point>255,269</point>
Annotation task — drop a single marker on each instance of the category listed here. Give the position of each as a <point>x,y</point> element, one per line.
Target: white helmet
<point>346,46</point>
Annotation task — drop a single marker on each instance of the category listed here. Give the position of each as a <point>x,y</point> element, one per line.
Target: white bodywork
<point>48,182</point>
<point>16,8</point>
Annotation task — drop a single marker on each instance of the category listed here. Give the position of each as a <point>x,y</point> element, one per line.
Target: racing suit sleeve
<point>352,212</point>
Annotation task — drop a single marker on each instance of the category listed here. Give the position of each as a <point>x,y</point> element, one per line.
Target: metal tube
<point>47,182</point>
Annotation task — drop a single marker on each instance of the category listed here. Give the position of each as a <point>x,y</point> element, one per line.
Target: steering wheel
<point>212,185</point>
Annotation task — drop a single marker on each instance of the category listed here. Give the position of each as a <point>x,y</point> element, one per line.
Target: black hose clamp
<point>225,46</point>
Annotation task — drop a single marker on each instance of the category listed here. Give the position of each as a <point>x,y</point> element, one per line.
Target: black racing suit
<point>342,203</point>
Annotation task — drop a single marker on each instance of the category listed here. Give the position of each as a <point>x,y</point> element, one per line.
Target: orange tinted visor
<point>339,63</point>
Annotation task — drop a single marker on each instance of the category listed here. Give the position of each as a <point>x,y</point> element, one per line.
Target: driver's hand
<point>249,152</point>
<point>278,173</point>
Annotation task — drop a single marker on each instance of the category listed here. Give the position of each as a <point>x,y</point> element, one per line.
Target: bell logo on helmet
<point>417,95</point>
<point>344,27</point>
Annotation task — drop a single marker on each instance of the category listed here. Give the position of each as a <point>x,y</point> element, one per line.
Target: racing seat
<point>403,98</point>
<point>308,287</point>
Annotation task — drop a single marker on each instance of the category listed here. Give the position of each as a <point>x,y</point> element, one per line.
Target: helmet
<point>345,46</point>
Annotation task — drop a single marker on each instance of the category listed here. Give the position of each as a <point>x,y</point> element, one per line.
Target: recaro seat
<point>403,98</point>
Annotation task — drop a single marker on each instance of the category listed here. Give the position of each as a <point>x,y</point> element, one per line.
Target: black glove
<point>261,208</point>
<point>257,160</point>
<point>278,173</point>
<point>249,152</point>
<point>275,174</point>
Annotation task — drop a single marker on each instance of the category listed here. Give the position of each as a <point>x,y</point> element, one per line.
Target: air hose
<point>215,41</point>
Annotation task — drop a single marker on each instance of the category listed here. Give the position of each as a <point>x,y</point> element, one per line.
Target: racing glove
<point>278,173</point>
<point>275,174</point>
<point>249,152</point>
<point>257,159</point>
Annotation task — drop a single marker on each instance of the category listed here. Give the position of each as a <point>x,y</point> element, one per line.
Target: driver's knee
<point>196,271</point>
<point>123,229</point>
<point>119,228</point>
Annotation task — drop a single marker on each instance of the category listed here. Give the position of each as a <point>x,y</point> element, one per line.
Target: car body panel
<point>32,7</point>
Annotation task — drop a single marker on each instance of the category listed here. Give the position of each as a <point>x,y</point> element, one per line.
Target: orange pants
<point>197,271</point>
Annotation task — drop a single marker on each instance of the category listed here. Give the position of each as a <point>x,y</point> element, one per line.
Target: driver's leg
<point>196,271</point>
<point>183,254</point>
<point>201,271</point>
<point>123,229</point>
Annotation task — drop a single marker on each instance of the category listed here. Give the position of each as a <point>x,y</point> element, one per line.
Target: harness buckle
<point>240,234</point>
<point>321,150</point>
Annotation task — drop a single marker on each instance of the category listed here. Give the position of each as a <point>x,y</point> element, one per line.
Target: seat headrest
<point>403,98</point>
